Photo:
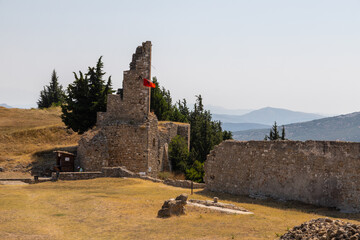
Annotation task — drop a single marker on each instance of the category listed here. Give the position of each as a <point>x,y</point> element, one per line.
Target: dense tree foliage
<point>274,133</point>
<point>196,172</point>
<point>204,132</point>
<point>161,105</point>
<point>51,95</point>
<point>85,97</point>
<point>179,154</point>
<point>227,135</point>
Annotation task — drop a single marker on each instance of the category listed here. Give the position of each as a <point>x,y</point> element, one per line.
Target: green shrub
<point>164,175</point>
<point>179,154</point>
<point>196,172</point>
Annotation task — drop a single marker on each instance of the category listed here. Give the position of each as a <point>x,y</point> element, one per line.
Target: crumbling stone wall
<point>167,131</point>
<point>134,103</point>
<point>128,134</point>
<point>323,173</point>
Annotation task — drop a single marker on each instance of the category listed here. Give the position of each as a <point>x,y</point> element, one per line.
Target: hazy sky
<point>300,55</point>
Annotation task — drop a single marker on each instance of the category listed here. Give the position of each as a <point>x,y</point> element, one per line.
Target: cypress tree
<point>283,133</point>
<point>51,95</point>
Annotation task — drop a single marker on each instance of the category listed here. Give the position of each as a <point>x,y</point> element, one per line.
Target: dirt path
<point>12,183</point>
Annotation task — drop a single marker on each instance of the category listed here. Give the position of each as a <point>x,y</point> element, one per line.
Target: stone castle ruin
<point>128,134</point>
<point>324,173</point>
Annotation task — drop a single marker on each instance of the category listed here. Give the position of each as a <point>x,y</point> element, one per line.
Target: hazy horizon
<point>300,56</point>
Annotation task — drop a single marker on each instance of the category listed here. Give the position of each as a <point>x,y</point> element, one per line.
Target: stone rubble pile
<point>173,207</point>
<point>323,229</point>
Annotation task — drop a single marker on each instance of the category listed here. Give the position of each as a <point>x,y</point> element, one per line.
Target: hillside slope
<point>342,128</point>
<point>5,105</point>
<point>26,134</point>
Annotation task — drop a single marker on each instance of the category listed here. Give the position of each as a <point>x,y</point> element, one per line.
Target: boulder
<point>173,207</point>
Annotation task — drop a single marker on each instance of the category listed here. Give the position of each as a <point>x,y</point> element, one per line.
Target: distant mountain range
<point>222,110</point>
<point>268,116</point>
<point>23,106</point>
<point>262,118</point>
<point>5,105</point>
<point>343,128</point>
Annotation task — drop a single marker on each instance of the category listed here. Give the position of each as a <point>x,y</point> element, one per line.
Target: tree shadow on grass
<point>44,161</point>
<point>283,205</point>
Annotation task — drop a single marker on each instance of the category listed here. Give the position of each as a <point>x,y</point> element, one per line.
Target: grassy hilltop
<point>28,137</point>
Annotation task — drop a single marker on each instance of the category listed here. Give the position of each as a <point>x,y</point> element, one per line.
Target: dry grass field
<point>28,137</point>
<point>127,208</point>
<point>115,208</point>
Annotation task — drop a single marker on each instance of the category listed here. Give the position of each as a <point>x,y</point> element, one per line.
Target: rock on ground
<point>324,229</point>
<point>173,207</point>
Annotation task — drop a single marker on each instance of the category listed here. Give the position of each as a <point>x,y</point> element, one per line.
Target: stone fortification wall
<point>117,172</point>
<point>184,183</point>
<point>77,175</point>
<point>123,145</point>
<point>139,147</point>
<point>316,172</point>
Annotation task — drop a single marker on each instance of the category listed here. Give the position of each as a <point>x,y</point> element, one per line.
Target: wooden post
<point>192,187</point>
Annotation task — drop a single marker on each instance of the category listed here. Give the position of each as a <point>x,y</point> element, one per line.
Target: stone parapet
<point>184,183</point>
<point>77,175</point>
<point>117,172</point>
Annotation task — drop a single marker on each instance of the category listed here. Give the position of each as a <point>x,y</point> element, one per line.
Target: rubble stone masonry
<point>325,173</point>
<point>128,134</point>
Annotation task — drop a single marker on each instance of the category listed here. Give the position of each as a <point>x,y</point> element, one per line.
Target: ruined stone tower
<point>128,134</point>
<point>133,101</point>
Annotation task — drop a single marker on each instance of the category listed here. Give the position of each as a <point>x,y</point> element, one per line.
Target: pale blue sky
<point>300,55</point>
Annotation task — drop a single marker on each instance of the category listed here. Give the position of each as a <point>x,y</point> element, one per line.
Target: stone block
<point>173,207</point>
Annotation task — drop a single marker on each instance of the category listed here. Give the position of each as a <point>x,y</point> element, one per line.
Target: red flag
<point>148,83</point>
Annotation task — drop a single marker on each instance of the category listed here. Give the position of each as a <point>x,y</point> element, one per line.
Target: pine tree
<point>51,95</point>
<point>87,95</point>
<point>274,133</point>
